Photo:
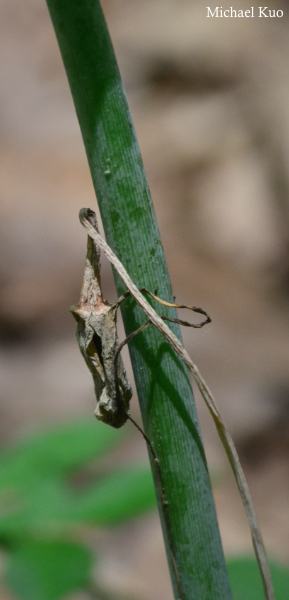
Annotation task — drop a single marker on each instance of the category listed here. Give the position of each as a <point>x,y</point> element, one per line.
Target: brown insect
<point>97,336</point>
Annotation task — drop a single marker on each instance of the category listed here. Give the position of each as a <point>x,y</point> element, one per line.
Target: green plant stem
<point>128,218</point>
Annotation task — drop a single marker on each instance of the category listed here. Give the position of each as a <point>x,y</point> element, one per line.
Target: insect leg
<point>130,337</point>
<point>172,305</point>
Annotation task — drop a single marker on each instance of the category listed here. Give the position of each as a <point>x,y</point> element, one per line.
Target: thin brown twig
<point>224,434</point>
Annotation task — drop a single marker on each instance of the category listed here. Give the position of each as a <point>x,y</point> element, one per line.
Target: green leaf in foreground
<point>246,582</point>
<point>48,571</point>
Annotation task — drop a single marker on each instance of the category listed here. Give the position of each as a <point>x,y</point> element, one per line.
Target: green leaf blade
<point>163,384</point>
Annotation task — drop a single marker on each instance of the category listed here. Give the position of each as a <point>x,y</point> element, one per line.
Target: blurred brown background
<point>209,99</point>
